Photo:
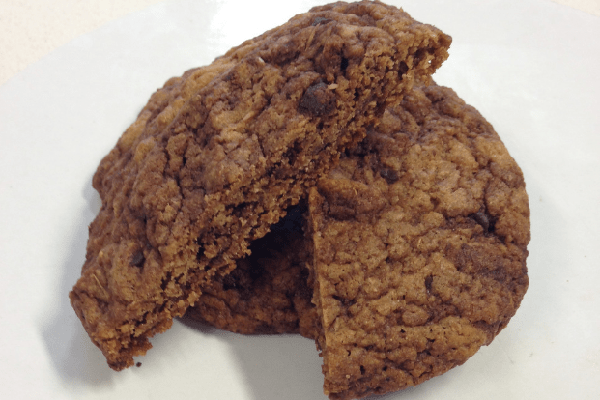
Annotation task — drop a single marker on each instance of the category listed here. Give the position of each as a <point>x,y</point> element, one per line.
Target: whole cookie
<point>217,155</point>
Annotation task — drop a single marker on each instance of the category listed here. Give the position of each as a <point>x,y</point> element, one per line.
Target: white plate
<point>529,66</point>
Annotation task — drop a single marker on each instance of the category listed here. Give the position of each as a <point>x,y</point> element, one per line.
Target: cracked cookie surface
<point>420,243</point>
<point>218,154</point>
<point>419,247</point>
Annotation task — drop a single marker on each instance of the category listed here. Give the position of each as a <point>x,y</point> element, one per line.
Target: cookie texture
<point>268,291</point>
<point>419,247</point>
<point>219,154</point>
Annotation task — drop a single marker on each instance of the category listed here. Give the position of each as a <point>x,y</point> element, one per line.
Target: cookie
<point>419,247</point>
<point>268,290</point>
<point>420,242</point>
<point>217,156</point>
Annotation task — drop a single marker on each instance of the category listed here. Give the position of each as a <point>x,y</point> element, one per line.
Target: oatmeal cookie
<point>217,156</point>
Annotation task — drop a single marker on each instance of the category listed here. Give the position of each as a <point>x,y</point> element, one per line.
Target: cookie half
<point>217,156</point>
<point>419,247</point>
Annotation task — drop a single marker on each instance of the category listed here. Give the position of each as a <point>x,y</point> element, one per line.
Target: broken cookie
<point>417,250</point>
<point>419,247</point>
<point>218,155</point>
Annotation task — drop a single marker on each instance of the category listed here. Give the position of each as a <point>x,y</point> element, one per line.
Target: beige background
<point>30,29</point>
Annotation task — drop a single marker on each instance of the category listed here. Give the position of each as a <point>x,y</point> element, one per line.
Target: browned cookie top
<point>217,156</point>
<point>420,244</point>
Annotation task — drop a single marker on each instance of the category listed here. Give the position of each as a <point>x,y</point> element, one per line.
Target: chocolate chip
<point>485,220</point>
<point>402,69</point>
<point>319,20</point>
<point>428,282</point>
<point>137,259</point>
<point>482,219</point>
<point>418,56</point>
<point>318,100</point>
<point>389,175</point>
<point>200,253</point>
<point>344,64</point>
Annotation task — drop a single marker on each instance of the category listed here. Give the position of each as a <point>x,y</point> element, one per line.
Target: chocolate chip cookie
<point>219,154</point>
<point>419,247</point>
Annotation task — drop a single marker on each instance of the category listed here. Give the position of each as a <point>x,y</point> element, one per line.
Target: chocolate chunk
<point>403,69</point>
<point>389,175</point>
<point>319,20</point>
<point>482,219</point>
<point>137,259</point>
<point>317,101</point>
<point>344,64</point>
<point>428,282</point>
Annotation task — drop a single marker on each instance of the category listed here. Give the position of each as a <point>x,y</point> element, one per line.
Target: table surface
<point>529,66</point>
